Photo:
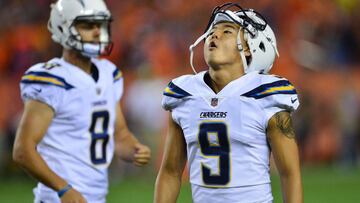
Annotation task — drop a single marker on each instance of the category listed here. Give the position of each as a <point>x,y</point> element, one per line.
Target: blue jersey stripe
<point>35,77</point>
<point>174,91</point>
<point>117,74</point>
<point>277,87</point>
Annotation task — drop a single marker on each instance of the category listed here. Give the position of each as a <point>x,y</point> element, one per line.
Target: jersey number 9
<point>215,149</point>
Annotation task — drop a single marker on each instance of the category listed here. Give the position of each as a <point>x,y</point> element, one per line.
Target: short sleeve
<point>280,102</point>
<point>173,96</point>
<point>275,95</point>
<point>118,84</point>
<point>169,103</point>
<point>48,94</point>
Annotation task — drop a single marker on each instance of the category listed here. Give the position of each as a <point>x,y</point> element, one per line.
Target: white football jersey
<point>225,133</point>
<point>79,143</point>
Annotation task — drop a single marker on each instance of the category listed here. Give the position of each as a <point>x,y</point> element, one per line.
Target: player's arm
<point>128,147</point>
<point>34,123</point>
<point>168,182</point>
<point>282,140</point>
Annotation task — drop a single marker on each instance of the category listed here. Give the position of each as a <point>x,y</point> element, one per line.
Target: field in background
<point>321,185</point>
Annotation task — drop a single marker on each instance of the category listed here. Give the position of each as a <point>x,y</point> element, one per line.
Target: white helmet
<point>65,13</point>
<point>257,33</point>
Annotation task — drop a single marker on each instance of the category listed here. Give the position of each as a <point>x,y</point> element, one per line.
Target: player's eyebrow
<point>230,26</point>
<point>227,25</point>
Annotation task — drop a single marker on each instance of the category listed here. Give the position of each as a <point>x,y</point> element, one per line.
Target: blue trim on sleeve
<point>117,74</point>
<point>277,87</point>
<point>37,77</point>
<point>174,91</point>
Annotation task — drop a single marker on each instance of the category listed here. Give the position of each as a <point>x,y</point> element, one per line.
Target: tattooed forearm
<point>284,124</point>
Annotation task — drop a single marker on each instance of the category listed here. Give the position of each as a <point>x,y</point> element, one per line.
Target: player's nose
<point>97,29</point>
<point>96,32</point>
<point>215,35</point>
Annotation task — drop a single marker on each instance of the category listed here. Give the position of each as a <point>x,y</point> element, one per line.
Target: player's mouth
<point>212,45</point>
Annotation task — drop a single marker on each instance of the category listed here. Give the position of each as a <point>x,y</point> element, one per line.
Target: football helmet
<point>257,34</point>
<point>66,13</point>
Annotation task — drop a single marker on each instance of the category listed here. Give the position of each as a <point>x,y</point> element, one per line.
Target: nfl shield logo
<point>214,101</point>
<point>98,90</point>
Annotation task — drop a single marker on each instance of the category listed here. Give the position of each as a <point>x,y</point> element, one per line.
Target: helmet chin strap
<point>241,50</point>
<point>91,50</point>
<point>202,37</point>
<point>191,48</point>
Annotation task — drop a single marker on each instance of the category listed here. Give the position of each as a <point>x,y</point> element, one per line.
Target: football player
<point>72,122</point>
<point>226,121</point>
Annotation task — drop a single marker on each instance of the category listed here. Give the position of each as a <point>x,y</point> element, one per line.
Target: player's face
<point>221,45</point>
<point>89,31</point>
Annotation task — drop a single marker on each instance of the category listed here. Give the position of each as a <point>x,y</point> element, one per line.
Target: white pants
<point>249,194</point>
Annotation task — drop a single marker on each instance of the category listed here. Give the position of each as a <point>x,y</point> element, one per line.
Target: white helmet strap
<point>191,48</point>
<point>241,50</point>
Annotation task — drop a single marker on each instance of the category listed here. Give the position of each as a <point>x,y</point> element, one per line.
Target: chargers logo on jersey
<point>213,114</point>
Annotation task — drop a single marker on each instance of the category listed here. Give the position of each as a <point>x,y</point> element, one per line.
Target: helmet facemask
<point>257,34</point>
<point>91,48</point>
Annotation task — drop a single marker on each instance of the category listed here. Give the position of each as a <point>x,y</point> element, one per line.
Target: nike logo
<point>293,100</point>
<point>38,90</point>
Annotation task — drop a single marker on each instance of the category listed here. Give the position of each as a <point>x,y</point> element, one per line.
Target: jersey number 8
<point>99,136</point>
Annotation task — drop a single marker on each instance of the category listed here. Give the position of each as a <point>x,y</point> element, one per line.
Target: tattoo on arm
<point>284,124</point>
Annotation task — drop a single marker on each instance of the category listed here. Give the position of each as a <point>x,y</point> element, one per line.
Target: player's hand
<point>142,154</point>
<point>73,196</point>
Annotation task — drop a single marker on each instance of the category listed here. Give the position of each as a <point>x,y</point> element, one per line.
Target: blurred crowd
<point>318,41</point>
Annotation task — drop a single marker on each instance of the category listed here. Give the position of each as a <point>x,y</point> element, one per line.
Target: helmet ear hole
<point>60,28</point>
<point>248,60</point>
<point>262,47</point>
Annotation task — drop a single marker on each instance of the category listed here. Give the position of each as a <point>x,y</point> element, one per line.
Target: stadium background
<point>319,45</point>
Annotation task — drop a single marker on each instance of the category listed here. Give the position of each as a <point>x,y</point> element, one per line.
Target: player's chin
<point>140,164</point>
<point>214,63</point>
<point>209,56</point>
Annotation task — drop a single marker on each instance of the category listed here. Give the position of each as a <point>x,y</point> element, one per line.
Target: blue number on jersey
<point>99,136</point>
<point>220,149</point>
